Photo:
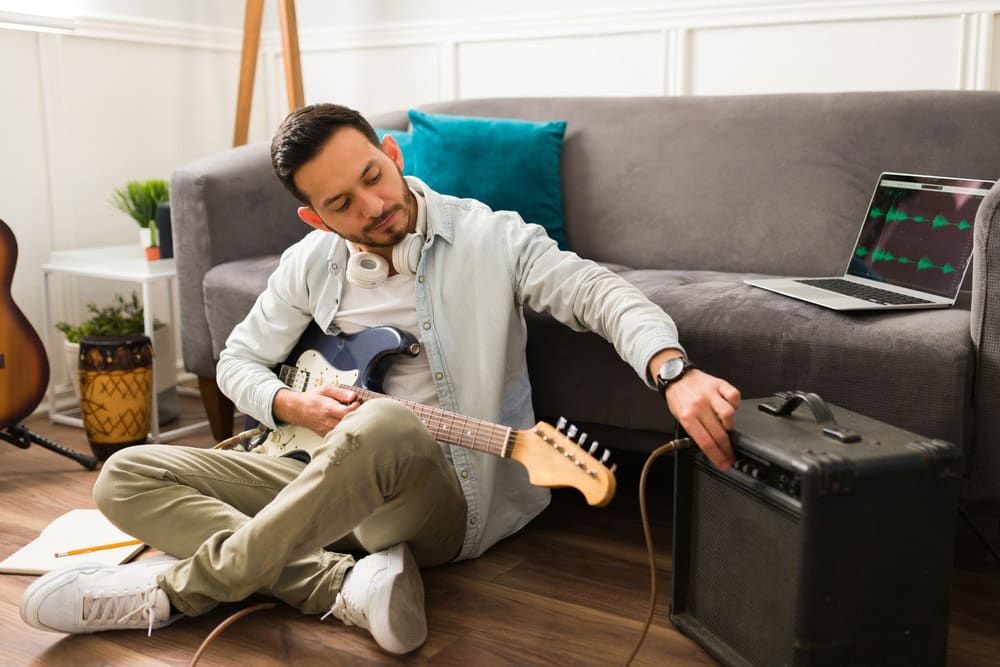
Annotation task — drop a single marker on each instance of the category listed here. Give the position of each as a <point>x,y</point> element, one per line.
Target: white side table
<point>128,263</point>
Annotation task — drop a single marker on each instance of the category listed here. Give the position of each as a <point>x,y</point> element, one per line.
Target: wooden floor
<point>570,589</point>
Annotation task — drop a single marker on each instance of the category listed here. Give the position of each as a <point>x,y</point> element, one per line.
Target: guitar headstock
<point>554,456</point>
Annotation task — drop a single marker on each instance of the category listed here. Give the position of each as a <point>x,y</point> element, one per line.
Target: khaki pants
<point>244,523</point>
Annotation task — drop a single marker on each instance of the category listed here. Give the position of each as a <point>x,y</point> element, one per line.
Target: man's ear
<point>391,148</point>
<point>311,218</point>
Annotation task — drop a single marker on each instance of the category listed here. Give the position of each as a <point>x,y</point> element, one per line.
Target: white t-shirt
<point>392,303</point>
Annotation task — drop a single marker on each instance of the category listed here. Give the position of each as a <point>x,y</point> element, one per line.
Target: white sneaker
<point>384,594</point>
<point>91,598</point>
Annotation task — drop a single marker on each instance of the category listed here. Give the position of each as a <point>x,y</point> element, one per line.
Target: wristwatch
<point>672,370</point>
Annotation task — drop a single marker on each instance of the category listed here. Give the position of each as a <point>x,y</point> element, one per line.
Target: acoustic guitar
<point>24,366</point>
<point>553,456</point>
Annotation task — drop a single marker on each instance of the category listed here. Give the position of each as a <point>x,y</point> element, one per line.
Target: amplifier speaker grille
<point>744,568</point>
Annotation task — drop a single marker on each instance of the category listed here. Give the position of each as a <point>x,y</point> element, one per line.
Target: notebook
<point>912,251</point>
<point>80,529</point>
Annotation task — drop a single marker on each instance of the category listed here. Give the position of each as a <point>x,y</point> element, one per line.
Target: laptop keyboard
<point>857,290</point>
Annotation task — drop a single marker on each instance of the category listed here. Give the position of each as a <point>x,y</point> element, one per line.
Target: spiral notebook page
<point>77,529</point>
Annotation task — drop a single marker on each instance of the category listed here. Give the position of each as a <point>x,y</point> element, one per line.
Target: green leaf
<point>138,199</point>
<point>120,318</point>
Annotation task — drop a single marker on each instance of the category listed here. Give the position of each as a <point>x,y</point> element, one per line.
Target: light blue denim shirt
<point>477,269</point>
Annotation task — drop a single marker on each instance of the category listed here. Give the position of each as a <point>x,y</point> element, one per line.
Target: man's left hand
<point>705,406</point>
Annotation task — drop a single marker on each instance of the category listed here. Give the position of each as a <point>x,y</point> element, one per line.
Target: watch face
<point>672,369</point>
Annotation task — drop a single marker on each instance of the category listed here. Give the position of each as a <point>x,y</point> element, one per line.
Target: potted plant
<point>126,317</point>
<point>138,200</point>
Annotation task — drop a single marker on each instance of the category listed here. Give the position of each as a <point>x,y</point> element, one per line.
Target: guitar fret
<point>452,428</point>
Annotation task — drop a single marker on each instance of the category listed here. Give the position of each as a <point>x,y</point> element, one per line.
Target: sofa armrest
<point>225,207</point>
<point>982,463</point>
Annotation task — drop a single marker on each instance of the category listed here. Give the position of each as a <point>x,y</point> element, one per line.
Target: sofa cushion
<point>509,165</point>
<point>867,362</point>
<point>759,341</point>
<point>230,291</point>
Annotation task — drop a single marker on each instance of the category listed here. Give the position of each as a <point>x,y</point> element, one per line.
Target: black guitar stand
<point>19,436</point>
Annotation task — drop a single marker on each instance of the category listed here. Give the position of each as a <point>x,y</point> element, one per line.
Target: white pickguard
<point>311,371</point>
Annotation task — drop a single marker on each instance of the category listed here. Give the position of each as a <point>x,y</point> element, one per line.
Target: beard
<point>369,238</point>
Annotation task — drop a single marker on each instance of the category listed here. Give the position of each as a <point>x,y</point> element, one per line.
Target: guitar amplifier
<point>829,542</point>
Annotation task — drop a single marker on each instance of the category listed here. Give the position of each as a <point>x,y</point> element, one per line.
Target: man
<point>387,251</point>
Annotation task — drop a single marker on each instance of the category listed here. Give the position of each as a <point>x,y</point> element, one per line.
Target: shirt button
<point>333,266</point>
<point>439,376</point>
<point>465,474</point>
<point>472,521</point>
<point>420,279</point>
<point>427,326</point>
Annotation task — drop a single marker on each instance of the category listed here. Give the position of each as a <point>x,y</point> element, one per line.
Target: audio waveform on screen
<point>882,255</point>
<point>938,221</point>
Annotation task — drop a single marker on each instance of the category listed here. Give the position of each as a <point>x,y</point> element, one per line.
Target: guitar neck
<point>454,429</point>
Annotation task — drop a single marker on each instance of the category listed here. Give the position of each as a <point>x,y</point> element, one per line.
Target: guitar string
<point>493,440</point>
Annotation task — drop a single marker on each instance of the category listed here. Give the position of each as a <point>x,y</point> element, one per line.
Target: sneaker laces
<point>111,607</point>
<point>347,611</point>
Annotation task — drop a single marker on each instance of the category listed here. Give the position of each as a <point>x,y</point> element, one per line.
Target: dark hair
<point>304,131</point>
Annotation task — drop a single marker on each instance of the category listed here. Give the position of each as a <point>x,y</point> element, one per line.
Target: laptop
<point>912,251</point>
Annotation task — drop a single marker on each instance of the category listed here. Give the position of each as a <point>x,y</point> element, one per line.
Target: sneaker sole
<point>36,593</point>
<point>404,627</point>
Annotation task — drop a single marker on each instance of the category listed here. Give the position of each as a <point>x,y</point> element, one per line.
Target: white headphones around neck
<point>369,269</point>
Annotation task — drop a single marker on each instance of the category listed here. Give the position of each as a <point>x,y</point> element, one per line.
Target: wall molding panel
<point>163,33</point>
<point>972,44</point>
<point>90,98</point>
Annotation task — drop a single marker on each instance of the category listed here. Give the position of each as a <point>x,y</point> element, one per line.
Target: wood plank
<point>571,588</point>
<point>248,69</point>
<point>290,54</point>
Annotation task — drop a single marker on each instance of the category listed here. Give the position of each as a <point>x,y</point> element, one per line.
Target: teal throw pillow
<point>405,141</point>
<point>509,165</point>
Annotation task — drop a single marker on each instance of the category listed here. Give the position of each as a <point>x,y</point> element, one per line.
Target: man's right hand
<point>319,410</point>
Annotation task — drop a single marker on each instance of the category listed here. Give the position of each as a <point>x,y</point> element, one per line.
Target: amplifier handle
<point>789,400</point>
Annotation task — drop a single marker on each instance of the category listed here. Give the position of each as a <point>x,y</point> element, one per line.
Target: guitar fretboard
<point>452,428</point>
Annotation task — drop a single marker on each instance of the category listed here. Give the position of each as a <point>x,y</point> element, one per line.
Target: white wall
<point>97,92</point>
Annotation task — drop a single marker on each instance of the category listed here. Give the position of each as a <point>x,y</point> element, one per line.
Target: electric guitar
<point>24,366</point>
<point>553,456</point>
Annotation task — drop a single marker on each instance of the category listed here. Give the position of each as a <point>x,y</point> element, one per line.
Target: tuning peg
<point>582,439</point>
<point>593,448</point>
<point>613,468</point>
<point>606,456</point>
<point>561,424</point>
<point>571,431</point>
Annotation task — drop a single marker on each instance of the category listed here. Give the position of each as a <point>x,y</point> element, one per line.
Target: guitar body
<point>553,456</point>
<point>364,358</point>
<point>368,353</point>
<point>24,366</point>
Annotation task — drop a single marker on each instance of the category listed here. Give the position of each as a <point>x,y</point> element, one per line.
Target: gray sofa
<point>685,197</point>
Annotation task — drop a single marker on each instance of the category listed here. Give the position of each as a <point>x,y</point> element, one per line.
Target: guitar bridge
<point>296,378</point>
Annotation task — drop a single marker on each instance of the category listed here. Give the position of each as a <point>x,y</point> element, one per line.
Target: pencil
<point>101,547</point>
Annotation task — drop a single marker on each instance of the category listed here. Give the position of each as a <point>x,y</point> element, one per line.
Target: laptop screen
<point>918,232</point>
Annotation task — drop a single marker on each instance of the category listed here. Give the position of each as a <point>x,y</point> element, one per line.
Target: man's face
<point>357,190</point>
